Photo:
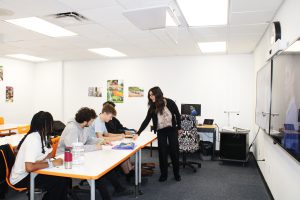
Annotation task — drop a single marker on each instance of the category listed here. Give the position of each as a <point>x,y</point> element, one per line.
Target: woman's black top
<point>171,105</point>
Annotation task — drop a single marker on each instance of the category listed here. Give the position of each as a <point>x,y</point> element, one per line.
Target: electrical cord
<point>254,138</point>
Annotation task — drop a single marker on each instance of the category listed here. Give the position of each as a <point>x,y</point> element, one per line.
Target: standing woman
<point>34,152</point>
<point>166,122</point>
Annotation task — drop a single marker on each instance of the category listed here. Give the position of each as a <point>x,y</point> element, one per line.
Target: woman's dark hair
<point>42,122</point>
<point>159,99</point>
<point>85,115</point>
<point>110,103</point>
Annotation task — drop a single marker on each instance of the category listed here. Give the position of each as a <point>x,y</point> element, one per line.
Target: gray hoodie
<point>74,133</point>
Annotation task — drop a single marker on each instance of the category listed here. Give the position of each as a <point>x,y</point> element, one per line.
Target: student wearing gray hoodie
<point>75,132</point>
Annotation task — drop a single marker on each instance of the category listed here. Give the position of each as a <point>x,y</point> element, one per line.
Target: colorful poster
<point>9,94</point>
<point>115,91</point>
<point>95,92</point>
<point>135,92</point>
<point>1,73</point>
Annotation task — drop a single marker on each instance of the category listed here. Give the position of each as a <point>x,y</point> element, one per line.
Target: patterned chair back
<point>189,139</point>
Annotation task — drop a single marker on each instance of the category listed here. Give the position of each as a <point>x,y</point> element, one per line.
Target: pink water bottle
<point>68,158</point>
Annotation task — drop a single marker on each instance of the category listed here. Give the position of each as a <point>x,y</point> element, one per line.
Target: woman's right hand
<point>57,162</point>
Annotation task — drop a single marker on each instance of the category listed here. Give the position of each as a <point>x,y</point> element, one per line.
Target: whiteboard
<point>263,96</point>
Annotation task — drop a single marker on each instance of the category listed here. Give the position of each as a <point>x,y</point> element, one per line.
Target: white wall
<point>48,78</point>
<point>218,83</point>
<point>19,75</point>
<point>281,171</point>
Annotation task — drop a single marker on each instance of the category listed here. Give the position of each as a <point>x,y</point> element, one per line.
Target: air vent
<point>68,18</point>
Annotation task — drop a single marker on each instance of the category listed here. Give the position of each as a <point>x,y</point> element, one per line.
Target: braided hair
<point>42,122</point>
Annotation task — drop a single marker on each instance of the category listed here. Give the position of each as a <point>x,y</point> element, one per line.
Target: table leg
<point>93,191</point>
<point>136,174</point>
<point>32,178</point>
<point>214,145</point>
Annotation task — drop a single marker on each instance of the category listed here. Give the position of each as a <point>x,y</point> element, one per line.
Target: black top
<point>171,105</point>
<point>115,126</point>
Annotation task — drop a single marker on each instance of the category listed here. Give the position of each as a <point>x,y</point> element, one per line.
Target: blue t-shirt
<point>99,126</point>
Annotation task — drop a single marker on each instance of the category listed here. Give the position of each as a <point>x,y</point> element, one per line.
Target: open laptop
<point>208,122</point>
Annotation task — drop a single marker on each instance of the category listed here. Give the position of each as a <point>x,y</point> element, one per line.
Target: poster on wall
<point>1,73</point>
<point>9,94</point>
<point>94,92</point>
<point>135,92</point>
<point>115,91</point>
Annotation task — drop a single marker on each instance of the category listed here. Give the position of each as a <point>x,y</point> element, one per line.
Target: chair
<point>7,159</point>
<point>54,144</point>
<point>7,155</point>
<point>23,129</point>
<point>188,140</point>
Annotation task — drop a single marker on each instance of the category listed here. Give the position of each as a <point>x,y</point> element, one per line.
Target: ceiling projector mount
<point>155,17</point>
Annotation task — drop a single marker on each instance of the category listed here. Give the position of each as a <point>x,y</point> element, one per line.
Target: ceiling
<point>107,27</point>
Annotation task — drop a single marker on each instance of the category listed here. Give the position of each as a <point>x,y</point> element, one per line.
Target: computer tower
<point>234,146</point>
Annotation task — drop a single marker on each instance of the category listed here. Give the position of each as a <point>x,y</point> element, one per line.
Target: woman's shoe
<point>162,178</point>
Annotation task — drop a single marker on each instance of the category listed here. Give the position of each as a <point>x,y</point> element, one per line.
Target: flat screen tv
<point>286,101</point>
<point>191,109</point>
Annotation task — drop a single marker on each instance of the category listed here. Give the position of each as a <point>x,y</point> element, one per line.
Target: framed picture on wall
<point>115,91</point>
<point>9,94</point>
<point>135,92</point>
<point>94,92</point>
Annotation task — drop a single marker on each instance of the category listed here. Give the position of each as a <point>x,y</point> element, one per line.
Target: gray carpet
<point>214,181</point>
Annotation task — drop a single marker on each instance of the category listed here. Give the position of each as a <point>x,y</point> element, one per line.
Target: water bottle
<point>68,158</point>
<point>78,153</point>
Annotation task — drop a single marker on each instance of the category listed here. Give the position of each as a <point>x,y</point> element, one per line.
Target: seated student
<point>99,130</point>
<point>33,154</point>
<point>74,132</point>
<point>114,125</point>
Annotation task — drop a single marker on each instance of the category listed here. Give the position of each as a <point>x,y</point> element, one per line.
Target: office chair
<point>188,140</point>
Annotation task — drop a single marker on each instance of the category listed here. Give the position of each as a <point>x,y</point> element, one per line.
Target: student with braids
<point>33,154</point>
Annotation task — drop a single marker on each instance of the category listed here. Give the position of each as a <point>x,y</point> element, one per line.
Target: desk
<point>9,128</point>
<point>13,140</point>
<point>209,129</point>
<point>93,169</point>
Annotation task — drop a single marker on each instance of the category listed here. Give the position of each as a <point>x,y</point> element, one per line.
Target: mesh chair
<point>188,140</point>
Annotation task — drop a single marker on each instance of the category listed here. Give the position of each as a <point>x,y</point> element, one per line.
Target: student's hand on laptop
<point>57,162</point>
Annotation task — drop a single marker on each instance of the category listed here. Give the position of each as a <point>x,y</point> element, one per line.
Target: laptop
<point>208,122</point>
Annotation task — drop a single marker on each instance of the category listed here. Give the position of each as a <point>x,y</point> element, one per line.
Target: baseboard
<point>262,177</point>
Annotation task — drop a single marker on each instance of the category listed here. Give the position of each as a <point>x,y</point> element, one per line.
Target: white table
<point>98,163</point>
<point>13,140</point>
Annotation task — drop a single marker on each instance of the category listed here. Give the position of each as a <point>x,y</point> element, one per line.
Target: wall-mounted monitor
<point>286,100</point>
<point>191,109</point>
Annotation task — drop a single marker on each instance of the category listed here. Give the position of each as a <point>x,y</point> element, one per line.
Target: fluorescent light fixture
<point>294,48</point>
<point>212,47</point>
<point>109,52</point>
<point>41,26</point>
<point>27,57</point>
<point>204,12</point>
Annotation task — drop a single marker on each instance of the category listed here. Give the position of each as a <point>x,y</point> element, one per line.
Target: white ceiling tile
<point>238,18</point>
<point>248,29</point>
<point>88,4</point>
<point>135,4</point>
<point>254,5</point>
